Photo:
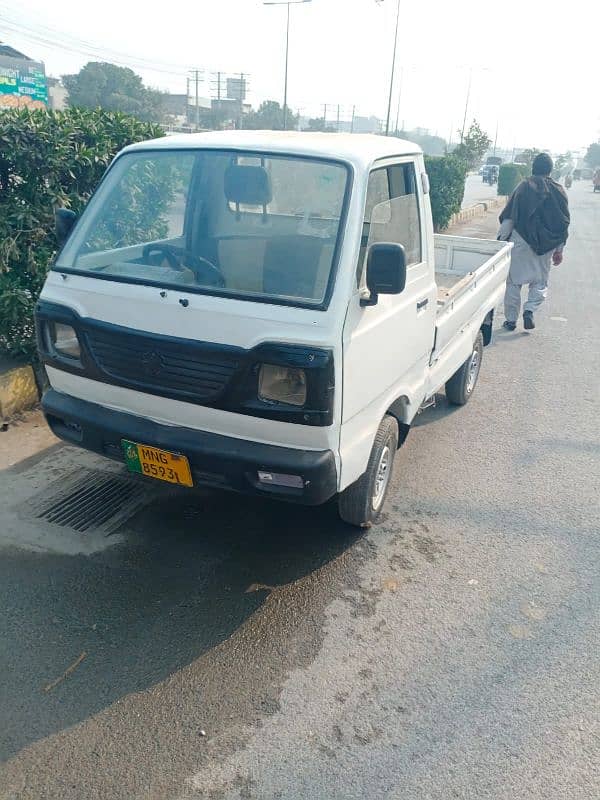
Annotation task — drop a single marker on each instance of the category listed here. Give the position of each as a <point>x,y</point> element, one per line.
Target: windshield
<point>265,227</point>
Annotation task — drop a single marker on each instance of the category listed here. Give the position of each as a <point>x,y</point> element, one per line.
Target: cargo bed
<point>467,272</point>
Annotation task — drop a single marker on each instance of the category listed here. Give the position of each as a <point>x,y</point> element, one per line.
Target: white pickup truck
<point>262,312</point>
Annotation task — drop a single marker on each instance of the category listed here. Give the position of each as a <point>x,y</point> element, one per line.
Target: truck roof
<point>359,149</point>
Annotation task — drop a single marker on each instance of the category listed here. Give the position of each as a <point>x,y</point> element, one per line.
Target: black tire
<point>361,504</point>
<point>462,384</point>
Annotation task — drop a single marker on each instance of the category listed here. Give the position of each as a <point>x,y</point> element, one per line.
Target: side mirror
<point>386,271</point>
<point>64,220</point>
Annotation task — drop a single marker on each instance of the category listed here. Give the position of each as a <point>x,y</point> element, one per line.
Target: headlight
<point>282,385</point>
<point>64,340</point>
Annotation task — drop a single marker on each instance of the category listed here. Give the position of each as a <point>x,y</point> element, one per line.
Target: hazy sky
<point>535,62</point>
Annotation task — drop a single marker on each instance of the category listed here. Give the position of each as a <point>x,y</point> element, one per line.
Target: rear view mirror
<point>64,220</point>
<point>386,271</point>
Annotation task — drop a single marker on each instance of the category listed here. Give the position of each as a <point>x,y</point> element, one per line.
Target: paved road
<point>453,652</point>
<point>477,191</point>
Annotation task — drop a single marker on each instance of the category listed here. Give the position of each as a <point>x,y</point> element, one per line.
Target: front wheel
<point>362,502</point>
<point>461,385</point>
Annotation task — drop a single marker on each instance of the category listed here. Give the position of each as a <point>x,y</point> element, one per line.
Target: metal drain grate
<point>98,500</point>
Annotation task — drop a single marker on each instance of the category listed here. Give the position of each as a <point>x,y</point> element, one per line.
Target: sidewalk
<point>483,227</point>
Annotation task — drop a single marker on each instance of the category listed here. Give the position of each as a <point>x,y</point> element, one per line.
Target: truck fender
<point>399,410</point>
<point>486,327</point>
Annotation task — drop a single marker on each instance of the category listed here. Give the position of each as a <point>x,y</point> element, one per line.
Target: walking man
<point>536,219</point>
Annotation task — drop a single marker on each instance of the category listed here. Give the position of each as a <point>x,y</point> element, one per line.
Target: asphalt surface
<point>476,191</point>
<point>240,649</point>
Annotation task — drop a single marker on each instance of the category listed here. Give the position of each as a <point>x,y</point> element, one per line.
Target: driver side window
<point>392,213</point>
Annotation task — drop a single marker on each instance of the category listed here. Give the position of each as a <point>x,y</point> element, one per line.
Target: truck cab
<point>259,312</point>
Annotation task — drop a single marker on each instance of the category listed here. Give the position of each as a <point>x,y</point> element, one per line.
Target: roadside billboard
<point>22,84</point>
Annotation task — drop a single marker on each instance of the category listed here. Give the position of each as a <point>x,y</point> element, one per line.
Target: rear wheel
<point>362,502</point>
<point>461,385</point>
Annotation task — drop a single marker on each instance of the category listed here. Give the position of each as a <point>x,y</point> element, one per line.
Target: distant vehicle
<point>587,174</point>
<point>596,180</point>
<point>568,181</point>
<point>576,174</point>
<point>490,174</point>
<point>212,334</point>
<point>494,160</point>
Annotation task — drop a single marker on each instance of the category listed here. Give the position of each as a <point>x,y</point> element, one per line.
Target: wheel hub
<point>382,478</point>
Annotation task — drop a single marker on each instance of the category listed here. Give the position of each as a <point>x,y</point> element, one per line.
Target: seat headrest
<point>248,185</point>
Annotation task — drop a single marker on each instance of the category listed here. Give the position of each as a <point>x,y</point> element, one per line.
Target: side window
<point>406,222</point>
<point>392,212</point>
<point>378,191</point>
<point>378,197</point>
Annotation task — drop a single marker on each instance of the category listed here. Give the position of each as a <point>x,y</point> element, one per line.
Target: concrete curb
<point>18,391</point>
<point>477,210</point>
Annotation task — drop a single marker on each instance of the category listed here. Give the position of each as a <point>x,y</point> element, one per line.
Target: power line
<point>59,42</point>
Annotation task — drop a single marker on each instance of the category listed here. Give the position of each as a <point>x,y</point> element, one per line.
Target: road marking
<point>520,632</point>
<point>559,319</point>
<point>532,611</point>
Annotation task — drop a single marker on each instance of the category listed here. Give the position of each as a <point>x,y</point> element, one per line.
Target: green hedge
<point>47,160</point>
<point>447,175</point>
<point>509,177</point>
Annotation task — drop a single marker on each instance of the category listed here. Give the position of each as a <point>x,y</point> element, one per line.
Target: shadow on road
<point>194,569</point>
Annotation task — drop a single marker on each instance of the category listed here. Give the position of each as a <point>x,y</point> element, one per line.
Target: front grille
<point>154,363</point>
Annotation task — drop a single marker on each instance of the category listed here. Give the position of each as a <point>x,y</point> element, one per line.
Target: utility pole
<point>496,138</point>
<point>462,133</point>
<point>242,98</point>
<point>399,97</point>
<point>389,109</point>
<point>287,52</point>
<point>196,72</point>
<point>352,120</point>
<point>338,119</point>
<point>324,115</point>
<point>187,99</point>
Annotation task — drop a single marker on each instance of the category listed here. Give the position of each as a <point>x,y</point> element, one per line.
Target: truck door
<point>387,346</point>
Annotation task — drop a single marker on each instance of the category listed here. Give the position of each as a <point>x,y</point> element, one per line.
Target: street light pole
<point>389,108</point>
<point>287,3</point>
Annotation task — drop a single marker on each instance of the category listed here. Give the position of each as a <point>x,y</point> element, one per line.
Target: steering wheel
<point>167,250</point>
<point>179,259</point>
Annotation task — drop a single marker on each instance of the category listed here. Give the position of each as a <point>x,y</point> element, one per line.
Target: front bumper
<point>215,460</point>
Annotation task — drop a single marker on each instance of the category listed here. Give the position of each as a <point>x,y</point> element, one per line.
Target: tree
<point>101,85</point>
<point>563,164</point>
<point>473,146</point>
<point>431,145</point>
<point>447,187</point>
<point>71,150</point>
<point>526,157</point>
<point>319,124</point>
<point>592,157</point>
<point>270,117</point>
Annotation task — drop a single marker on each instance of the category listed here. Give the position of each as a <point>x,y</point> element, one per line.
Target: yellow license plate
<point>155,463</point>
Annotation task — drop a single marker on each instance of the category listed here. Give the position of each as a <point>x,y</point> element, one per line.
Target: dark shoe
<point>528,322</point>
<point>510,326</point>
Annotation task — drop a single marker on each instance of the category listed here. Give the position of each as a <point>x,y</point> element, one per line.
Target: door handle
<point>422,304</point>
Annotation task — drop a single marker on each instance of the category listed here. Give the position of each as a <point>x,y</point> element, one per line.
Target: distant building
<point>367,125</point>
<point>175,105</point>
<point>10,52</point>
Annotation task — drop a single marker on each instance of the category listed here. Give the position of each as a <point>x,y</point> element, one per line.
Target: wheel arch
<point>400,411</point>
<point>486,327</point>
